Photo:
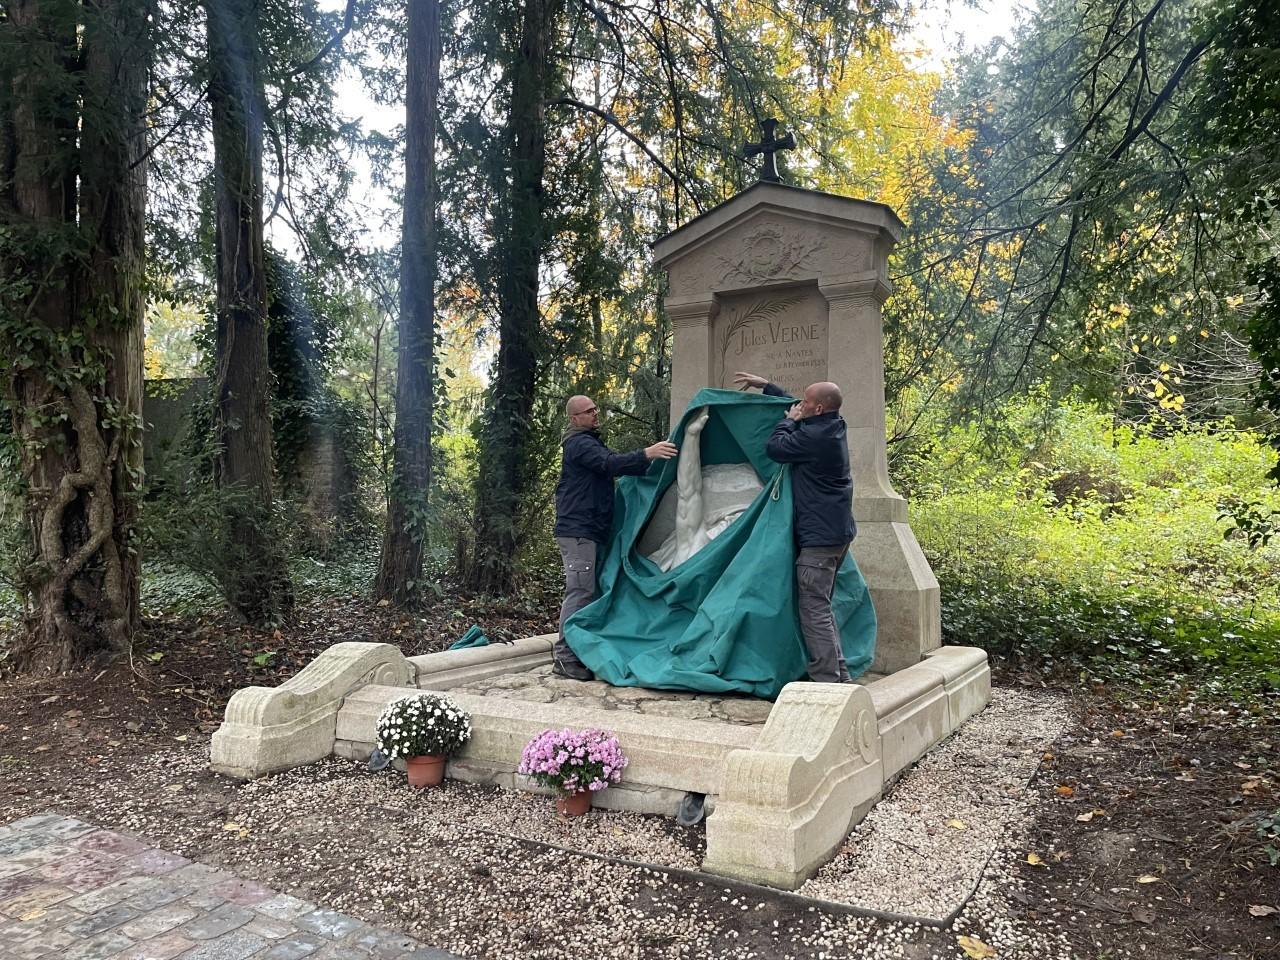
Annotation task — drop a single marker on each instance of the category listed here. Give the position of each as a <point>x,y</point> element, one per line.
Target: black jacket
<point>821,485</point>
<point>584,495</point>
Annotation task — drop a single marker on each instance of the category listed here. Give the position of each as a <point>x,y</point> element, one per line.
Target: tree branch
<point>335,41</point>
<point>608,117</point>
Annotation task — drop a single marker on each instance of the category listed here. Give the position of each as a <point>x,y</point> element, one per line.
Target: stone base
<point>903,590</point>
<point>785,790</point>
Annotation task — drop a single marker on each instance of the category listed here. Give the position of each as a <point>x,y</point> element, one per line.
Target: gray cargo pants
<point>816,569</point>
<point>579,556</point>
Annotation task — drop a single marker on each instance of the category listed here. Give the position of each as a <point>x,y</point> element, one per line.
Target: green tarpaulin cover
<point>725,619</point>
<point>474,637</point>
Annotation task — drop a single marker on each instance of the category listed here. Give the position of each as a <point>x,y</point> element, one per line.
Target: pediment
<point>771,234</point>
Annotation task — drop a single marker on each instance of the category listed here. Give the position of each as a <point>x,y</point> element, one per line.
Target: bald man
<point>584,511</point>
<point>812,437</point>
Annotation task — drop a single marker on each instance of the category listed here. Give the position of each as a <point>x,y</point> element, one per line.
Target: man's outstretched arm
<point>595,456</point>
<point>744,380</point>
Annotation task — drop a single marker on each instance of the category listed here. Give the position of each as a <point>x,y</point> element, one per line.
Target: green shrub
<point>1105,546</point>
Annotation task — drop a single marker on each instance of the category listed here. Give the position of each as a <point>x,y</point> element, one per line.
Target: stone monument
<point>788,283</point>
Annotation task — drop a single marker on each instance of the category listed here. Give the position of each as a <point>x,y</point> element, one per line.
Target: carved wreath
<point>767,254</point>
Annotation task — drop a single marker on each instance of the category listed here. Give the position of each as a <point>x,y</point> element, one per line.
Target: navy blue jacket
<point>584,495</point>
<point>821,485</point>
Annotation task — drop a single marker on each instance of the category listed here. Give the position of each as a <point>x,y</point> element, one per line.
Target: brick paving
<point>72,891</point>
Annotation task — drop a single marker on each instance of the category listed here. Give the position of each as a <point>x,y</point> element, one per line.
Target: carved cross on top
<point>769,145</point>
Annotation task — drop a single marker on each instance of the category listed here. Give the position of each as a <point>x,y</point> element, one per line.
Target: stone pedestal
<point>788,284</point>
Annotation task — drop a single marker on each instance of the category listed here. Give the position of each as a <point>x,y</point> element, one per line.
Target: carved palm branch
<point>764,308</point>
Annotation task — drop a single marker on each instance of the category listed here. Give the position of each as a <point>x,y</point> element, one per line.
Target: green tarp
<point>725,619</point>
<point>474,637</point>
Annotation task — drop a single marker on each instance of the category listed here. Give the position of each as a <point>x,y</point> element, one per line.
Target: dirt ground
<point>1147,844</point>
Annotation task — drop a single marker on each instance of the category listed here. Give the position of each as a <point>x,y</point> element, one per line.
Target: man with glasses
<point>584,511</point>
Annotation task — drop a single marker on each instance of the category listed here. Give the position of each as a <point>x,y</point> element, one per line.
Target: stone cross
<point>769,145</point>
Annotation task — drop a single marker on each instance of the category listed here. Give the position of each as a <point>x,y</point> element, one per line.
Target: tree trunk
<point>504,457</point>
<point>400,567</point>
<point>74,101</point>
<point>255,579</point>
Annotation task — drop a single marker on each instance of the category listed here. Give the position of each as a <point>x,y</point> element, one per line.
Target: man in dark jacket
<point>584,511</point>
<point>812,437</point>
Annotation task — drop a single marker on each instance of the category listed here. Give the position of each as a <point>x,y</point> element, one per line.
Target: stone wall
<point>323,478</point>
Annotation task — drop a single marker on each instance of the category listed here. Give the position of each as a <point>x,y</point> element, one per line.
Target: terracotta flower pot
<point>425,771</point>
<point>574,805</point>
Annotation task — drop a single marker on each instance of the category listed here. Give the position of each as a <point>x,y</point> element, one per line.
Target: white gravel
<point>443,865</point>
<point>921,849</point>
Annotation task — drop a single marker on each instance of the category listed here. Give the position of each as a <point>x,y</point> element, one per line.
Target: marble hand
<point>694,426</point>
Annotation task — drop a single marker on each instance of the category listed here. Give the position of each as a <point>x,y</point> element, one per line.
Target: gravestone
<point>788,283</point>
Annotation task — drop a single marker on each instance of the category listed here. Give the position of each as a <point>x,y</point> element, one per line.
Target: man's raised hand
<point>662,450</point>
<point>744,380</point>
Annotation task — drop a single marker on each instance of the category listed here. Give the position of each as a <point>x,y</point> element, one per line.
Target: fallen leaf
<point>182,739</point>
<point>1034,860</point>
<point>1262,910</point>
<point>43,747</point>
<point>956,824</point>
<point>975,948</point>
<point>1046,756</point>
<point>54,699</point>
<point>1244,766</point>
<point>1117,733</point>
<point>231,827</point>
<point>1065,791</point>
<point>1085,817</point>
<point>1148,878</point>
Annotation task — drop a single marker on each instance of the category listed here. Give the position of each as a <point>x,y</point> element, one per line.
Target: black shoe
<point>573,671</point>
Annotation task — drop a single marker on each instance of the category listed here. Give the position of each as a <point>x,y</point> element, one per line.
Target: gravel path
<point>921,850</point>
<point>465,868</point>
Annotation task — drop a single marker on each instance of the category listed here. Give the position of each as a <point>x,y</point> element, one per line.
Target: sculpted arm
<point>691,533</point>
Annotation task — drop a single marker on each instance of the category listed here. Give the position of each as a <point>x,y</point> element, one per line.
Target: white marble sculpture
<point>700,505</point>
